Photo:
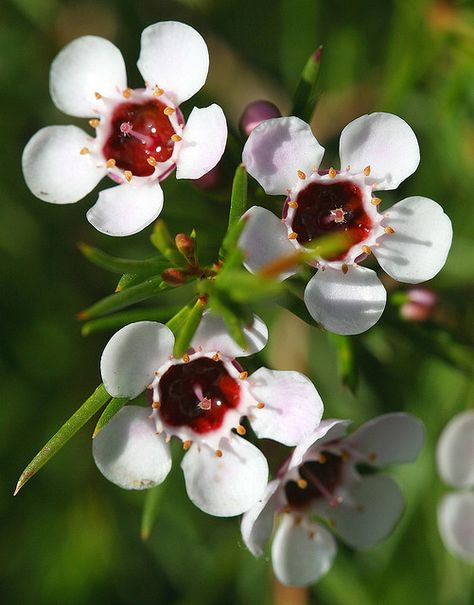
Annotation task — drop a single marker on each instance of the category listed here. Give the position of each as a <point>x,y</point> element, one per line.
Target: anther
<point>332,172</point>
<point>293,204</point>
<point>367,249</point>
<point>372,456</point>
<point>298,520</point>
<point>168,111</point>
<point>389,230</point>
<point>375,201</point>
<point>243,375</point>
<point>216,357</point>
<point>176,138</point>
<point>95,123</point>
<point>187,444</point>
<point>98,95</point>
<point>345,268</point>
<point>157,91</point>
<point>345,456</point>
<point>127,93</point>
<point>293,235</point>
<point>218,453</point>
<point>260,405</point>
<point>128,175</point>
<point>301,175</point>
<point>84,151</point>
<point>110,163</point>
<point>151,160</point>
<point>186,358</point>
<point>287,509</point>
<point>311,534</point>
<point>156,405</point>
<point>322,459</point>
<point>241,429</point>
<point>302,483</point>
<point>367,171</point>
<point>348,168</point>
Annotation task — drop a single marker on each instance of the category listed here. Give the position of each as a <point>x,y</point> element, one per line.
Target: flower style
<point>455,458</point>
<point>410,240</point>
<point>322,481</point>
<point>141,135</point>
<point>200,399</point>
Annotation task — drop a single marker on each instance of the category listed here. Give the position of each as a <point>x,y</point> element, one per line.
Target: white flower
<point>410,240</point>
<point>141,134</point>
<point>200,399</point>
<point>455,458</point>
<point>321,481</point>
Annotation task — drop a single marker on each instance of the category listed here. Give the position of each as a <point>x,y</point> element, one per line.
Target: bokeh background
<point>71,537</point>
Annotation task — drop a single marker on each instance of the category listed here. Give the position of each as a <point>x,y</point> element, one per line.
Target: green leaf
<point>306,94</point>
<point>238,198</point>
<point>163,242</point>
<point>295,304</point>
<point>150,266</point>
<point>127,280</point>
<point>244,287</point>
<point>119,320</point>
<point>175,323</point>
<point>231,319</point>
<point>189,327</point>
<point>231,238</point>
<point>153,498</point>
<point>114,406</point>
<point>146,289</point>
<point>97,400</point>
<point>347,365</point>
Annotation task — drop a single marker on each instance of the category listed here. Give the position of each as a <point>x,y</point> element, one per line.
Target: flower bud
<point>255,113</point>
<point>419,305</point>
<point>187,246</point>
<point>174,277</point>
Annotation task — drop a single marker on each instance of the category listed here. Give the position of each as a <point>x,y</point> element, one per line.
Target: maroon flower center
<point>140,136</point>
<point>325,209</point>
<point>197,394</point>
<point>319,479</point>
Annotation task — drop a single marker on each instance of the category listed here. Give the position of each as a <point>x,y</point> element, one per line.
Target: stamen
<point>375,201</point>
<point>332,173</point>
<point>302,483</point>
<point>98,95</point>
<point>389,230</point>
<point>345,268</point>
<point>152,161</point>
<point>127,129</point>
<point>157,91</point>
<point>95,123</point>
<point>187,444</point>
<point>84,151</point>
<point>128,175</point>
<point>367,171</point>
<point>293,204</point>
<point>301,175</point>
<point>176,138</point>
<point>293,235</point>
<point>110,163</point>
<point>216,356</point>
<point>243,375</point>
<point>168,111</point>
<point>156,405</point>
<point>127,93</point>
<point>186,358</point>
<point>367,249</point>
<point>311,534</point>
<point>372,457</point>
<point>260,405</point>
<point>218,453</point>
<point>241,430</point>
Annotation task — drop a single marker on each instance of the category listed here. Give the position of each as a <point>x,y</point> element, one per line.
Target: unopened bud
<point>211,181</point>
<point>187,246</point>
<point>175,277</point>
<point>255,113</point>
<point>420,304</point>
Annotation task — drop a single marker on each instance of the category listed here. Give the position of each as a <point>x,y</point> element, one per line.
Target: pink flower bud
<point>255,113</point>
<point>420,304</point>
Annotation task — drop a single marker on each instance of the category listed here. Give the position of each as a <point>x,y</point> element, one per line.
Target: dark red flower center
<point>325,209</point>
<point>197,394</point>
<point>319,479</point>
<point>140,136</point>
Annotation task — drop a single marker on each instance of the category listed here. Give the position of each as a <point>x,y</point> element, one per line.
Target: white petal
<point>328,430</point>
<point>53,167</point>
<point>174,57</point>
<point>257,523</point>
<point>300,558</point>
<point>212,335</point>
<point>126,209</point>
<point>229,485</point>
<point>419,247</point>
<point>456,524</point>
<point>389,439</point>
<point>264,240</point>
<point>133,355</point>
<point>293,407</point>
<point>455,451</point>
<point>128,451</point>
<point>277,149</point>
<point>85,66</point>
<point>345,303</point>
<point>204,139</point>
<point>384,142</point>
<point>376,506</point>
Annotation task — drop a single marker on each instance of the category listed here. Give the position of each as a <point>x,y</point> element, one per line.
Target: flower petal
<point>375,507</point>
<point>328,430</point>
<point>126,209</point>
<point>384,142</point>
<point>455,451</point>
<point>128,451</point>
<point>345,303</point>
<point>419,247</point>
<point>302,552</point>
<point>257,523</point>
<point>204,139</point>
<point>293,407</point>
<point>456,526</point>
<point>228,485</point>
<point>53,167</point>
<point>277,149</point>
<point>264,240</point>
<point>133,355</point>
<point>85,66</point>
<point>174,57</point>
<point>212,335</point>
<point>389,439</point>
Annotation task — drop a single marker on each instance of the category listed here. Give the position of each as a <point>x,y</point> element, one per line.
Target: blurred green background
<point>70,536</point>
